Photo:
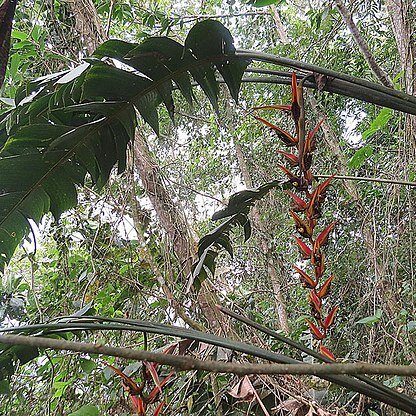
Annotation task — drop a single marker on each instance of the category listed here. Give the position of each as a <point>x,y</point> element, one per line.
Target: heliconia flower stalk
<point>306,211</point>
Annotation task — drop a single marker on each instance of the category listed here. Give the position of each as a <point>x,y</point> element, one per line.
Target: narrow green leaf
<point>360,156</point>
<point>114,48</point>
<point>86,410</point>
<point>378,123</point>
<point>372,319</point>
<point>247,230</point>
<point>225,242</point>
<point>264,3</point>
<point>232,72</point>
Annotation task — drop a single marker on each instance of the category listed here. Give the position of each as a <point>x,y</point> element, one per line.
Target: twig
<point>196,191</point>
<point>365,179</point>
<point>188,363</point>
<point>220,16</point>
<point>110,14</point>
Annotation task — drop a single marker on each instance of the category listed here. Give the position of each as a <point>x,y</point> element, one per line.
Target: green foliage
<point>86,410</point>
<point>264,3</point>
<point>371,320</point>
<point>378,123</point>
<point>81,123</point>
<point>88,265</point>
<point>237,209</point>
<point>360,156</point>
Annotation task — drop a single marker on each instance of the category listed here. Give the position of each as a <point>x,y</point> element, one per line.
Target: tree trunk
<point>272,262</point>
<point>402,15</point>
<point>362,44</point>
<point>279,25</point>
<point>170,215</point>
<point>87,24</point>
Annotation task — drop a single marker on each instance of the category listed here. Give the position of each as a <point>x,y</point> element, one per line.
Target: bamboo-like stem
<point>72,323</point>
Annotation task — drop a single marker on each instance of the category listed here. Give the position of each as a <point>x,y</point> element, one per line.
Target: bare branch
<point>188,363</point>
<point>365,179</point>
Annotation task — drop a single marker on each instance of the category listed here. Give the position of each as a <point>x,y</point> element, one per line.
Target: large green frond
<point>77,123</point>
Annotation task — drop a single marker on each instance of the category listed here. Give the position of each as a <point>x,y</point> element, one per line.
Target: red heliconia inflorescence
<point>306,210</point>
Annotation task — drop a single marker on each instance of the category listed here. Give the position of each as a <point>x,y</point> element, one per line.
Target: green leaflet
<point>237,210</point>
<point>86,410</point>
<point>264,3</point>
<point>378,123</point>
<point>210,39</point>
<point>360,156</point>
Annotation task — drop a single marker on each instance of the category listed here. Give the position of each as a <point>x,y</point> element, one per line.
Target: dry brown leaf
<point>243,390</point>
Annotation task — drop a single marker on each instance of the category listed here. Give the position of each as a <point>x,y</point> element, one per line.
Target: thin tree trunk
<point>87,24</point>
<point>279,25</point>
<point>402,16</point>
<point>362,44</point>
<point>171,217</point>
<point>178,231</point>
<point>276,276</point>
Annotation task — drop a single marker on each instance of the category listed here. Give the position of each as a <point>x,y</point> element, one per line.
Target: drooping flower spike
<point>306,211</point>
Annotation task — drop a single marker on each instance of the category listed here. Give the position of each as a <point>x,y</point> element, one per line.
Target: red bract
<point>325,351</point>
<point>304,249</point>
<point>325,288</point>
<point>303,229</point>
<point>315,301</point>
<point>159,408</point>
<point>319,269</point>
<point>128,383</point>
<point>294,180</point>
<point>317,198</point>
<point>306,280</point>
<point>310,142</point>
<point>135,391</point>
<point>299,205</point>
<point>292,159</point>
<point>295,108</point>
<point>158,389</point>
<point>317,255</point>
<point>283,135</point>
<point>285,107</point>
<point>323,235</point>
<point>138,405</point>
<point>315,331</point>
<point>329,320</point>
<point>312,133</point>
